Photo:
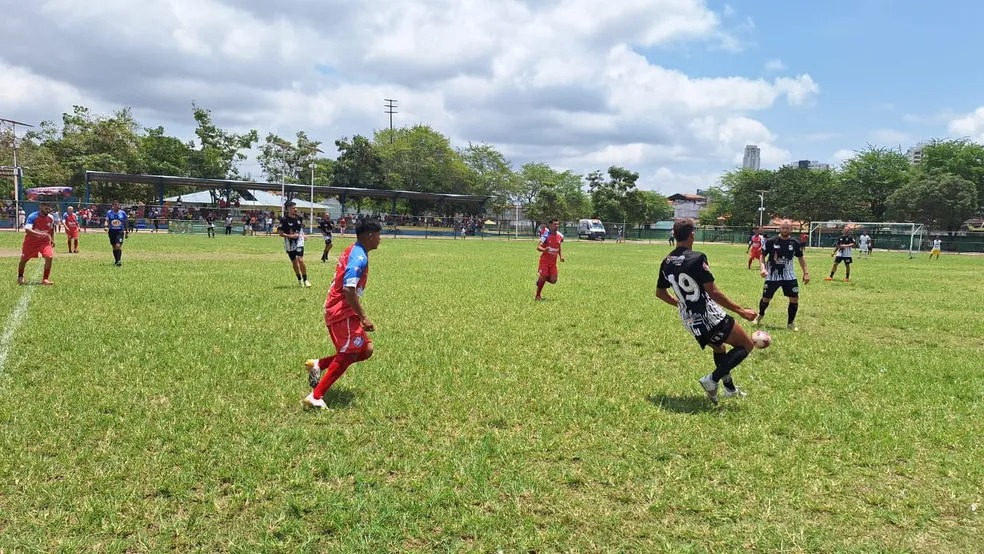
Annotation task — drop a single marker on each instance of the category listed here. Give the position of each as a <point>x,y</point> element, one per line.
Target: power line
<point>390,109</point>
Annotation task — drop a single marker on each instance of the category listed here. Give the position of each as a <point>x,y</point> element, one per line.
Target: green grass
<point>155,407</point>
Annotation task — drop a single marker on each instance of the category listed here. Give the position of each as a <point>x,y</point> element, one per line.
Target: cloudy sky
<point>672,89</point>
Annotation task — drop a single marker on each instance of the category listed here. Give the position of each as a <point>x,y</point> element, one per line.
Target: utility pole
<point>18,174</point>
<point>761,194</point>
<point>390,109</point>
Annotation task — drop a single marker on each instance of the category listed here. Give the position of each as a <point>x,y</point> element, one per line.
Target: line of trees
<point>943,190</point>
<point>416,158</point>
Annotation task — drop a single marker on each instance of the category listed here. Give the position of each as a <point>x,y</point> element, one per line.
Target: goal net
<point>905,237</point>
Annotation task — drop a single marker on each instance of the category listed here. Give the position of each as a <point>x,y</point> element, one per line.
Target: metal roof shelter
<point>163,181</point>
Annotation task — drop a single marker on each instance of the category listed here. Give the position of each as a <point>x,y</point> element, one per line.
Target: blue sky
<point>672,89</point>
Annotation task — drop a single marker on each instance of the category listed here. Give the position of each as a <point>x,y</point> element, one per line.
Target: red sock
<point>47,273</point>
<point>323,363</point>
<point>539,286</point>
<point>334,371</point>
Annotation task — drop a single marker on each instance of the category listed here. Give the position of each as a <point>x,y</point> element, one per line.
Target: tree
<point>86,141</point>
<point>873,175</point>
<point>611,198</point>
<point>358,164</point>
<point>813,195</point>
<point>961,157</point>
<point>646,206</point>
<point>163,155</point>
<point>492,174</point>
<point>741,187</point>
<point>719,207</point>
<point>287,161</point>
<point>220,149</point>
<point>941,201</point>
<point>420,159</point>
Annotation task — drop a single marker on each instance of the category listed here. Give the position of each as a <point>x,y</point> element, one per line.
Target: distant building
<point>687,205</point>
<point>811,164</point>
<point>915,153</point>
<point>752,158</point>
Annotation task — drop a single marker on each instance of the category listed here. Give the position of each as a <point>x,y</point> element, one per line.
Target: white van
<point>591,229</point>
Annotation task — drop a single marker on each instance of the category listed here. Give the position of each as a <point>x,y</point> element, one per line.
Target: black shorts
<point>327,240</point>
<point>790,289</point>
<point>845,259</point>
<point>116,237</point>
<point>296,253</point>
<point>716,335</point>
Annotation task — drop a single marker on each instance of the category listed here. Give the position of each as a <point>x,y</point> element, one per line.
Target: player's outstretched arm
<point>718,296</point>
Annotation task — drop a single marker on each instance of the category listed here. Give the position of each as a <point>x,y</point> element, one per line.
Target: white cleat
<point>710,387</point>
<point>737,393</point>
<point>315,403</point>
<point>307,283</point>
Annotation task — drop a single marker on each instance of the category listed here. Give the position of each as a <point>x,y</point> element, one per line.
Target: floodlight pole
<point>517,220</point>
<point>312,198</point>
<point>761,194</point>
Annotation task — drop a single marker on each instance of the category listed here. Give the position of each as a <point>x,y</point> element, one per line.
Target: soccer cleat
<point>792,327</point>
<point>21,280</point>
<point>710,387</point>
<point>46,282</point>
<point>314,372</point>
<point>118,264</point>
<point>847,279</point>
<point>737,393</point>
<point>758,319</point>
<point>316,403</point>
<point>828,278</point>
<point>307,283</point>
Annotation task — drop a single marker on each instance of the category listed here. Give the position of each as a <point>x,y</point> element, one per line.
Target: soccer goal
<point>907,237</point>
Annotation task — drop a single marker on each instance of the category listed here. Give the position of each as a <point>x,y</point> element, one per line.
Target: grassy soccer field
<point>155,407</point>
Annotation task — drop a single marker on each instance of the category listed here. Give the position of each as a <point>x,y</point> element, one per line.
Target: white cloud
<point>841,156</point>
<point>563,82</point>
<point>969,125</point>
<point>775,65</point>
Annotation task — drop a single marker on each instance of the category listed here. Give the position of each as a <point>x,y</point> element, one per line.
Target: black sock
<point>848,276</point>
<point>117,254</point>
<point>731,361</point>
<point>298,276</point>
<point>729,384</point>
<point>305,276</point>
<point>762,306</point>
<point>791,313</point>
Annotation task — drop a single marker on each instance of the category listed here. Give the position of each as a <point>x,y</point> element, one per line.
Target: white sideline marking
<point>13,322</point>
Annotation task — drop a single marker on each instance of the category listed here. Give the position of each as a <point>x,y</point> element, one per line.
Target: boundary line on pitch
<point>14,321</point>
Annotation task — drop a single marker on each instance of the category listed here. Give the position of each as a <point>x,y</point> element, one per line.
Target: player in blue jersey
<point>116,227</point>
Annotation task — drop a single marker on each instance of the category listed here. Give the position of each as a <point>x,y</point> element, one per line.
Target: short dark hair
<point>555,220</point>
<point>367,226</point>
<point>683,228</point>
<point>289,204</point>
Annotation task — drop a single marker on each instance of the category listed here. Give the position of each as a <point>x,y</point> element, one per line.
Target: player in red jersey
<point>40,237</point>
<point>754,249</point>
<point>549,248</point>
<point>71,230</point>
<point>345,319</point>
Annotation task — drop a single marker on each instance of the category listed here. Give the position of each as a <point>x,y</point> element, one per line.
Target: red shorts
<point>72,233</point>
<point>348,336</point>
<point>755,253</point>
<point>33,249</point>
<point>547,270</point>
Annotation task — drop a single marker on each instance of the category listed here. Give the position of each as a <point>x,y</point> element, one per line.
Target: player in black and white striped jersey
<point>700,303</point>
<point>292,231</point>
<point>778,271</point>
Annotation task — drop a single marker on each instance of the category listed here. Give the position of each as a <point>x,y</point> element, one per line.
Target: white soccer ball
<point>761,339</point>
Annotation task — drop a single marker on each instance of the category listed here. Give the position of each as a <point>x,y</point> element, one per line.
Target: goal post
<point>885,235</point>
